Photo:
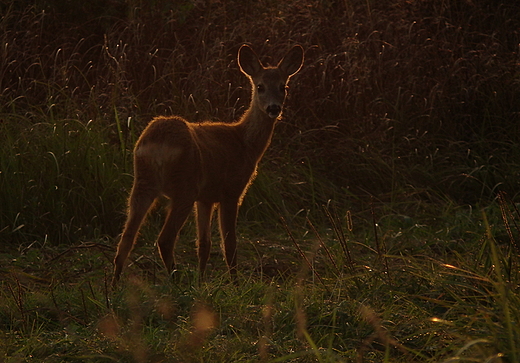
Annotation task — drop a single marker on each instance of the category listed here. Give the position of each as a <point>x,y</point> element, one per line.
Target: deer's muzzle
<point>274,110</point>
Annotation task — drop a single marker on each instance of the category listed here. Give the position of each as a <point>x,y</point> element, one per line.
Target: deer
<point>205,166</point>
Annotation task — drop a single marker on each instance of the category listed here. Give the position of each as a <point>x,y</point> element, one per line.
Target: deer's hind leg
<point>179,210</point>
<point>140,201</point>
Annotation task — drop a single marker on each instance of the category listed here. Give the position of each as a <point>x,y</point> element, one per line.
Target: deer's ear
<point>248,61</point>
<point>292,62</point>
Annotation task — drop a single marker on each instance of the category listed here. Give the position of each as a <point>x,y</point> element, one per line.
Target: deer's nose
<point>274,110</point>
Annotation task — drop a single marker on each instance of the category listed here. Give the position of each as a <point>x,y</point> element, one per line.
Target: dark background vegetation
<point>397,99</point>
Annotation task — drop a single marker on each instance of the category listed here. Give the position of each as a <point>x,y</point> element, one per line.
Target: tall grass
<point>441,302</point>
<point>407,97</point>
<point>61,181</point>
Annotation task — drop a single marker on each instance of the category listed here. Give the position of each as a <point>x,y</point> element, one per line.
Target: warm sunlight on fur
<point>206,164</point>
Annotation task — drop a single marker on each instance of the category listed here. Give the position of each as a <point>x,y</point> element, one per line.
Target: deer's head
<point>269,83</point>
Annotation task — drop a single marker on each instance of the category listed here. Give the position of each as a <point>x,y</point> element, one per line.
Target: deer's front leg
<point>228,221</point>
<point>204,213</point>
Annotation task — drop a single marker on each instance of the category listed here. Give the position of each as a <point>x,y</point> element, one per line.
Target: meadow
<point>383,225</point>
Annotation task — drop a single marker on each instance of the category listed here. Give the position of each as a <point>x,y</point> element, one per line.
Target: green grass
<point>434,296</point>
<point>382,227</point>
<point>62,180</point>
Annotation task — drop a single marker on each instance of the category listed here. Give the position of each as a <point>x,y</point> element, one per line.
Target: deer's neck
<point>257,130</point>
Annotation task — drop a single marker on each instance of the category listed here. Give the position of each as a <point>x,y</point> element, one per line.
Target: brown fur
<point>207,164</point>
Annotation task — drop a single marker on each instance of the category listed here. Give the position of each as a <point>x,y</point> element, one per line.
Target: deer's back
<point>208,161</point>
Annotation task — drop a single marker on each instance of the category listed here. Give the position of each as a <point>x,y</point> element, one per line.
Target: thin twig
<point>324,246</point>
<point>18,299</point>
<point>284,223</point>
<point>381,254</point>
<point>504,201</point>
<point>85,311</point>
<point>340,236</point>
<point>107,299</point>
<point>100,246</point>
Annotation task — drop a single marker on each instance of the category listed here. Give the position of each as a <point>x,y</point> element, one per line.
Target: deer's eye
<point>260,88</point>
